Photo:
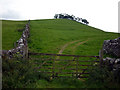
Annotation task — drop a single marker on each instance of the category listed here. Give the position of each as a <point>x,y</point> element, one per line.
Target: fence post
<point>101,56</point>
<point>26,51</point>
<point>23,51</point>
<point>53,71</point>
<point>77,67</point>
<point>15,44</point>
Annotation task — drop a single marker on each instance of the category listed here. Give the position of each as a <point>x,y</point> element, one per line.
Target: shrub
<point>19,73</point>
<point>103,77</point>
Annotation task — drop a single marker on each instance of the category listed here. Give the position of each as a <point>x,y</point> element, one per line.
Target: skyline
<point>100,14</point>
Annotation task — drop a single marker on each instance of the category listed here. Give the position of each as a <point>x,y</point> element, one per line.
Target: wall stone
<point>112,63</point>
<point>112,47</point>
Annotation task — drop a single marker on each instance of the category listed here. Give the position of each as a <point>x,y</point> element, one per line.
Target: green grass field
<point>10,33</point>
<point>49,36</point>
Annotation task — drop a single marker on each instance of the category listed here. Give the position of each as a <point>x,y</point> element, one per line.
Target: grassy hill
<point>10,33</point>
<point>50,36</point>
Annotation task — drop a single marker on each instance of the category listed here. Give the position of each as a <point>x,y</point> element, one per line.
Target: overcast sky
<point>102,14</point>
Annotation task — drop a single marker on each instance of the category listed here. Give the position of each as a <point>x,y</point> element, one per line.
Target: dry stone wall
<point>113,63</point>
<point>112,47</point>
<point>21,46</point>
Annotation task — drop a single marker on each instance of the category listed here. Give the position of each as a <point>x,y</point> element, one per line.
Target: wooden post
<point>23,52</point>
<point>101,57</point>
<point>53,72</point>
<point>26,51</point>
<point>77,59</point>
<point>15,44</point>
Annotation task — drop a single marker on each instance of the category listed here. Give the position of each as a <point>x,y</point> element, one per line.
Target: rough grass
<point>10,33</point>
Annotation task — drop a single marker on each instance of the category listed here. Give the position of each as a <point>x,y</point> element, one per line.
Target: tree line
<point>71,17</point>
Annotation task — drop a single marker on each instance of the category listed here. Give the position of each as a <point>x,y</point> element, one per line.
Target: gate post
<point>101,56</point>
<point>53,71</point>
<point>26,51</point>
<point>77,67</point>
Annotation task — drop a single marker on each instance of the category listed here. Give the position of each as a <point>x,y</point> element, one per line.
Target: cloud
<point>10,14</point>
<point>7,11</point>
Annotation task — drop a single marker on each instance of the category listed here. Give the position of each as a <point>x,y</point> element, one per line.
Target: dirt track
<point>78,44</point>
<point>63,48</point>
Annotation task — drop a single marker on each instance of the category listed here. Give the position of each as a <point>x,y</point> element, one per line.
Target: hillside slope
<point>10,33</point>
<point>49,36</point>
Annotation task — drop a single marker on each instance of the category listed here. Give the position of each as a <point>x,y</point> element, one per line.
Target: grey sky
<point>10,14</point>
<point>6,10</point>
<point>101,14</point>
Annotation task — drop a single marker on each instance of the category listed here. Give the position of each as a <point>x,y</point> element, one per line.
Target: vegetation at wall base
<point>103,77</point>
<point>19,73</point>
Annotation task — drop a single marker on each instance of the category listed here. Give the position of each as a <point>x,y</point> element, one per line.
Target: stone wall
<point>113,63</point>
<point>112,47</point>
<point>21,46</point>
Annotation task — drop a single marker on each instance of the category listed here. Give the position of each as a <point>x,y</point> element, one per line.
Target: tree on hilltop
<point>70,17</point>
<point>85,21</point>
